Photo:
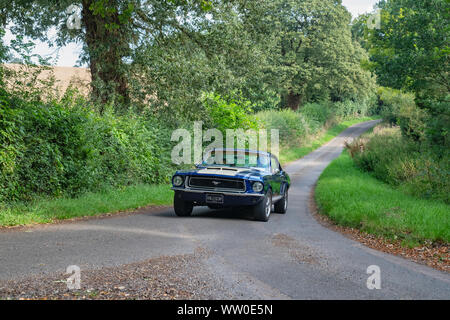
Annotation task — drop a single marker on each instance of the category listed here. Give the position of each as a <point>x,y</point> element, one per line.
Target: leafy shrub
<point>292,125</point>
<point>390,101</point>
<point>295,127</point>
<point>354,109</point>
<point>438,125</point>
<point>319,112</point>
<point>385,153</point>
<point>267,99</point>
<point>58,148</point>
<point>230,113</point>
<point>400,161</point>
<point>399,108</point>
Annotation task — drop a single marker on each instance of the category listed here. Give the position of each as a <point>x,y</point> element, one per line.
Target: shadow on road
<point>241,213</point>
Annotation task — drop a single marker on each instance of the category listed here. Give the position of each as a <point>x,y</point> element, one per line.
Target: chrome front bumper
<point>242,194</point>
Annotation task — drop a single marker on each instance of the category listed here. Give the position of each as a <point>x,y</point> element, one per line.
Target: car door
<point>277,177</point>
<point>285,180</point>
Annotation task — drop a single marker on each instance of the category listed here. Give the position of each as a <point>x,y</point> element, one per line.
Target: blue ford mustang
<point>233,177</point>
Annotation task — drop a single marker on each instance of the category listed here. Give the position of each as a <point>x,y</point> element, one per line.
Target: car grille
<point>216,184</point>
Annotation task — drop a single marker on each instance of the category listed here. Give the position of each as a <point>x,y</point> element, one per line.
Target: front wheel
<point>281,205</point>
<point>182,208</point>
<point>262,210</point>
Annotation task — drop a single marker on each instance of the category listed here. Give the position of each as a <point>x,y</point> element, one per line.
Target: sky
<point>67,56</point>
<point>356,7</point>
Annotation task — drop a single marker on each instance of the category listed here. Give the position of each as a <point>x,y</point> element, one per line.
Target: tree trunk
<point>293,100</point>
<point>106,47</point>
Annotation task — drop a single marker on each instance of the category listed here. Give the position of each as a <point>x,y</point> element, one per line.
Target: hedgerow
<point>403,162</point>
<point>63,147</point>
<point>295,126</point>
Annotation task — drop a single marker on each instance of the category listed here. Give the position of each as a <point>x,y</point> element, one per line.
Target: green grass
<point>89,204</point>
<point>355,199</point>
<point>294,153</point>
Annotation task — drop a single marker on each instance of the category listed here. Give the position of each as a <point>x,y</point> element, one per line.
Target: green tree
<point>360,30</point>
<point>110,29</point>
<point>3,54</point>
<point>167,53</point>
<point>410,51</point>
<point>318,58</point>
<point>222,51</point>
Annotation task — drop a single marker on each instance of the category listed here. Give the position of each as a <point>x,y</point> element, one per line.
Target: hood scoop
<point>220,170</point>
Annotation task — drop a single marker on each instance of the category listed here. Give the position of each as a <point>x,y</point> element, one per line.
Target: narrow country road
<point>290,257</point>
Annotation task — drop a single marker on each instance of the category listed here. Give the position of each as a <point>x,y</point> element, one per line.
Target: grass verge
<point>293,153</point>
<point>89,204</point>
<point>112,200</point>
<point>353,198</point>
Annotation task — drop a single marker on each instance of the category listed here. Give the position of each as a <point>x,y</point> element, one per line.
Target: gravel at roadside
<point>174,277</point>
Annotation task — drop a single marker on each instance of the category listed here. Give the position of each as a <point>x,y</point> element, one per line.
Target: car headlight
<point>177,181</point>
<point>258,186</point>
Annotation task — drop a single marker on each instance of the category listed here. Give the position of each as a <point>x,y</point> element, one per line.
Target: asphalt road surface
<point>290,257</point>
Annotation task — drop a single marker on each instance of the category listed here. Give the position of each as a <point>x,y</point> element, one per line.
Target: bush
<point>438,126</point>
<point>317,112</point>
<point>227,113</point>
<point>292,125</point>
<point>296,126</point>
<point>60,148</point>
<point>410,155</point>
<point>402,162</point>
<point>384,153</point>
<point>355,199</point>
<point>400,108</point>
<point>354,109</point>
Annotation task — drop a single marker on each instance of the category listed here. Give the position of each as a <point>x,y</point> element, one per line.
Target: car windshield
<point>240,159</point>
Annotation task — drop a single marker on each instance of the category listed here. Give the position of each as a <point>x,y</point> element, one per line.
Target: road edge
<point>115,214</point>
<point>423,255</point>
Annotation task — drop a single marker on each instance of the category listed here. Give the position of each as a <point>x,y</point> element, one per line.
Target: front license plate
<point>214,198</point>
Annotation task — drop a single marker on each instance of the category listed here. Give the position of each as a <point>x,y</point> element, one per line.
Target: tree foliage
<point>318,58</point>
<point>64,147</point>
<point>111,29</point>
<point>167,53</point>
<point>410,51</point>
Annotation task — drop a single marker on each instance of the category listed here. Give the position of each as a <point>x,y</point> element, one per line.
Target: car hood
<point>228,172</point>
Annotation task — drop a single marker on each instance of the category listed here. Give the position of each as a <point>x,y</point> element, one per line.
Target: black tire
<point>281,205</point>
<point>182,208</point>
<point>262,210</point>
